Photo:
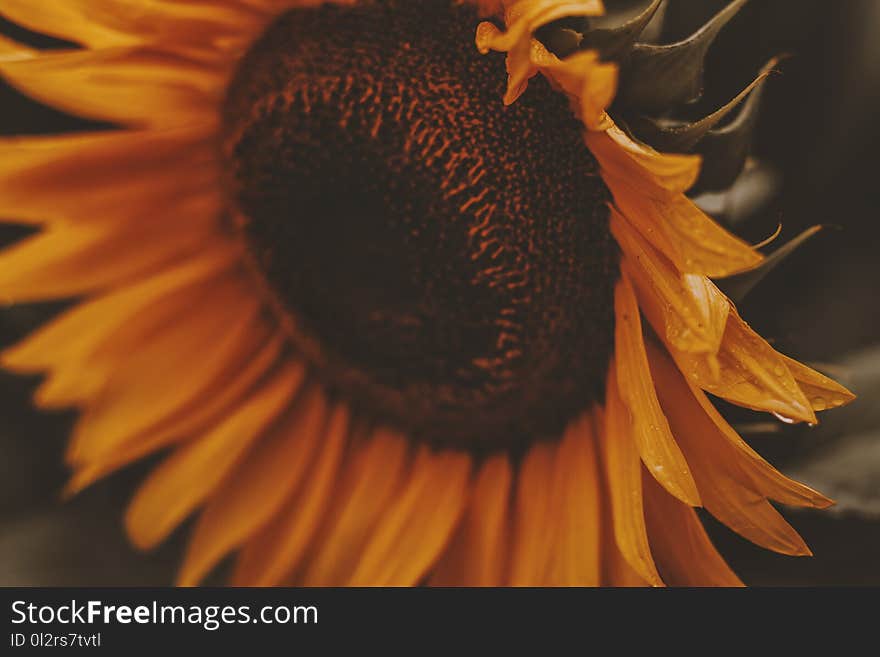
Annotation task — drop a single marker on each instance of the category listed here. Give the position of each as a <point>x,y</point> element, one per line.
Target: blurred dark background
<point>818,140</point>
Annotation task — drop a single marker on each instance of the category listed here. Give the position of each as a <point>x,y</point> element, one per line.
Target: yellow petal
<point>11,50</point>
<point>74,336</point>
<point>128,86</point>
<point>107,23</point>
<point>193,472</point>
<point>277,549</point>
<point>623,474</point>
<point>699,418</point>
<point>694,311</point>
<point>365,490</point>
<point>822,392</point>
<point>192,353</point>
<point>136,169</point>
<point>254,493</point>
<point>217,403</point>
<point>693,241</point>
<point>649,430</point>
<point>71,20</point>
<point>589,83</point>
<point>752,374</point>
<point>732,482</point>
<point>523,18</point>
<point>746,512</point>
<point>623,159</point>
<point>616,571</point>
<point>413,531</point>
<point>576,502</point>
<point>746,370</point>
<point>680,544</point>
<point>60,262</point>
<point>81,375</point>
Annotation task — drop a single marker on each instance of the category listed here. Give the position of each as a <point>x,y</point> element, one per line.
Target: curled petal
<point>682,232</point>
<point>621,158</point>
<point>523,18</point>
<point>746,371</point>
<point>694,312</point>
<point>589,83</point>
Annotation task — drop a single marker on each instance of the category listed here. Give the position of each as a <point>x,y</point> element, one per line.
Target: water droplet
<point>779,370</point>
<point>782,418</point>
<point>819,404</point>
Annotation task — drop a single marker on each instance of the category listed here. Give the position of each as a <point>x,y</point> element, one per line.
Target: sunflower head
<point>424,276</point>
<point>439,290</point>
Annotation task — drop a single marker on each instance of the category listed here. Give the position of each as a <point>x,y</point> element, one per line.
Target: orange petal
<point>71,20</point>
<point>682,232</point>
<point>136,170</point>
<point>623,474</point>
<point>75,335</point>
<point>649,429</point>
<point>257,489</point>
<point>477,555</point>
<point>616,571</point>
<point>694,312</point>
<point>680,544</point>
<point>704,420</point>
<point>194,471</point>
<point>576,501</point>
<point>413,531</point>
<point>11,50</point>
<point>823,393</point>
<point>752,374</point>
<point>746,512</point>
<point>216,404</point>
<point>532,546</point>
<point>656,174</point>
<point>192,353</point>
<point>523,18</point>
<point>729,478</point>
<point>277,549</point>
<point>107,23</point>
<point>589,83</point>
<point>60,262</point>
<point>365,490</point>
<point>128,86</point>
<point>82,375</point>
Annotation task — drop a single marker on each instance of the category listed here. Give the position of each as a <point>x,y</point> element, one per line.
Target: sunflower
<point>391,315</point>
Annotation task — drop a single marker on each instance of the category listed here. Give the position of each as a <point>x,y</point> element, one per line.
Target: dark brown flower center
<point>443,260</point>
